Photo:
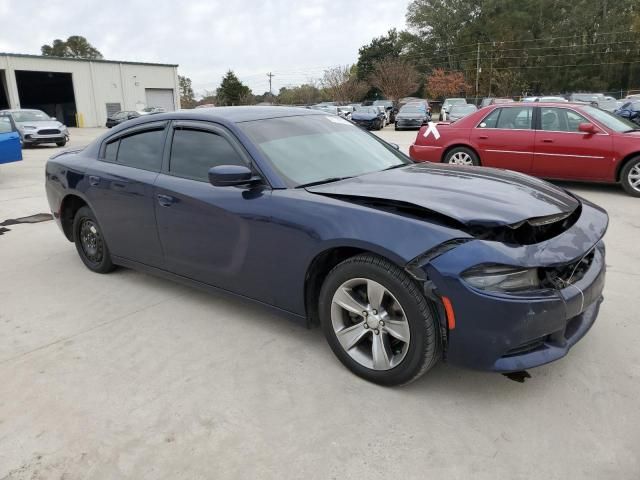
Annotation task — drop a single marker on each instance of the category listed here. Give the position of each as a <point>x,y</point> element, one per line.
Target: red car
<point>550,140</point>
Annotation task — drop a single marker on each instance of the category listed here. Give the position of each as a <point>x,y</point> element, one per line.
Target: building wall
<point>96,83</point>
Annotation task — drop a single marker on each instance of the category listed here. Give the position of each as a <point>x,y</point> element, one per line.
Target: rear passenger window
<point>515,118</point>
<point>194,152</point>
<point>142,150</point>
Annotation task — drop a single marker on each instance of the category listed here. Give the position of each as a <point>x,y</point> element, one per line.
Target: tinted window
<point>111,151</point>
<point>142,150</point>
<point>194,152</point>
<point>515,118</point>
<point>560,120</point>
<point>5,125</point>
<point>491,120</point>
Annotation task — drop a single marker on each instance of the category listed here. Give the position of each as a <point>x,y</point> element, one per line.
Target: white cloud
<point>295,39</point>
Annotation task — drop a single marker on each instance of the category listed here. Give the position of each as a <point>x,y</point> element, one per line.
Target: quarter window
<point>142,150</point>
<point>111,151</point>
<point>560,120</point>
<point>194,152</point>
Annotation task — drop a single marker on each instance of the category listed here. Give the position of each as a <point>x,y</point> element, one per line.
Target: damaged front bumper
<point>501,331</point>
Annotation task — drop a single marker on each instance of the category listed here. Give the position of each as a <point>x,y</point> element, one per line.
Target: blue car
<point>401,264</point>
<point>630,110</point>
<point>10,146</point>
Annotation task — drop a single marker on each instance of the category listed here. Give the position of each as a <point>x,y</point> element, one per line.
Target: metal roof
<point>45,57</point>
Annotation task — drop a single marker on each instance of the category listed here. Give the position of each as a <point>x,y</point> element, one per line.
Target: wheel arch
<point>456,145</point>
<point>71,203</point>
<point>622,164</point>
<point>320,266</point>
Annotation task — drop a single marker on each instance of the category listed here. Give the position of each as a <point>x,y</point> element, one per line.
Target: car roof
<point>235,114</point>
<point>12,110</point>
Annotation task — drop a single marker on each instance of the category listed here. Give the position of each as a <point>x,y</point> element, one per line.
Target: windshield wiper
<point>631,130</point>
<point>320,182</point>
<point>396,166</point>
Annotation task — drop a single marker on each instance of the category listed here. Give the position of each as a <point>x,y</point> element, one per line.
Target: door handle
<point>483,137</point>
<point>166,200</point>
<point>94,180</point>
<point>547,140</point>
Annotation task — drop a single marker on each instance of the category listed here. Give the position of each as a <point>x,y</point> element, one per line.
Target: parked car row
<point>122,116</point>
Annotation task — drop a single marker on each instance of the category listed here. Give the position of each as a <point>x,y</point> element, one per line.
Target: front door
<point>121,193</point>
<point>563,151</point>
<point>208,233</point>
<point>10,148</point>
<point>505,138</point>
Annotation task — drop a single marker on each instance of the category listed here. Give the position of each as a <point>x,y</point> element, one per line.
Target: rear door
<point>120,192</point>
<point>505,138</point>
<point>10,148</point>
<point>563,151</point>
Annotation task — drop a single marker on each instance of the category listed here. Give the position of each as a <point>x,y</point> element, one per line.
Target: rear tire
<point>630,177</point>
<point>398,340</point>
<point>461,156</point>
<point>90,243</point>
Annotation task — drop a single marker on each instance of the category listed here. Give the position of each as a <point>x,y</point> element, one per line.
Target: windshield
<point>412,109</point>
<point>455,101</point>
<point>313,148</point>
<point>610,120</point>
<point>373,110</point>
<point>463,109</point>
<point>30,116</point>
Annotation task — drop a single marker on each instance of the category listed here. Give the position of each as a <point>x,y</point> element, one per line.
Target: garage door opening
<point>51,92</point>
<point>160,97</point>
<point>4,95</point>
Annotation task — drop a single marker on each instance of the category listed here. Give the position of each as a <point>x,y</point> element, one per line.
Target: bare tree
<point>394,77</point>
<point>342,85</point>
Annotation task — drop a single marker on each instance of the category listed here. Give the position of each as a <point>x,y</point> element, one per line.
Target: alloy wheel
<point>461,158</point>
<point>370,324</point>
<point>634,177</point>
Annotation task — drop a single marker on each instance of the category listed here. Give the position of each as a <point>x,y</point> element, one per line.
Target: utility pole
<point>270,75</point>
<point>477,72</point>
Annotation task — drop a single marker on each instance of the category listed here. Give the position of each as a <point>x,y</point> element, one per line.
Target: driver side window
<point>5,125</point>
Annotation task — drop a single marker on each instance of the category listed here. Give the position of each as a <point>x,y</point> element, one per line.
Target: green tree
<point>187,98</point>
<point>233,92</point>
<point>73,47</point>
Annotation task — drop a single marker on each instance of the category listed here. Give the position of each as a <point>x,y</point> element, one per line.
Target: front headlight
<point>502,278</point>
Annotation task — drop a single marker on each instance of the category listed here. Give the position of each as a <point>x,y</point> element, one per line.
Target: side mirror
<point>395,145</point>
<point>231,175</point>
<point>587,128</point>
<point>54,118</point>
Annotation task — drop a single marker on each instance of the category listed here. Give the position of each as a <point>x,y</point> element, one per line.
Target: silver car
<point>36,127</point>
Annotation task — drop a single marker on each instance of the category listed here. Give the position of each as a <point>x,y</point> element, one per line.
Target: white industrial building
<point>81,92</point>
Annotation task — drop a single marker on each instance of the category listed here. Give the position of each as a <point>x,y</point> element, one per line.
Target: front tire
<point>630,177</point>
<point>378,322</point>
<point>62,143</point>
<point>461,156</point>
<point>90,242</point>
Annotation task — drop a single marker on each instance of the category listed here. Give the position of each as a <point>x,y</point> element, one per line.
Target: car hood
<point>42,124</point>
<point>473,196</point>
<point>363,116</point>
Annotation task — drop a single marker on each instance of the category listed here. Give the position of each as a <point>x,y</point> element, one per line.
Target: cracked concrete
<point>130,376</point>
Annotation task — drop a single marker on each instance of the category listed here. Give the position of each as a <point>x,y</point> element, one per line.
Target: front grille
<point>567,274</point>
<point>51,131</point>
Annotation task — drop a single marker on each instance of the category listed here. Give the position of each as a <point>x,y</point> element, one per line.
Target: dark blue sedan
<point>401,264</point>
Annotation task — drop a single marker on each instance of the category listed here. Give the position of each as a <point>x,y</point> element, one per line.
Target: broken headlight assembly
<point>502,278</point>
